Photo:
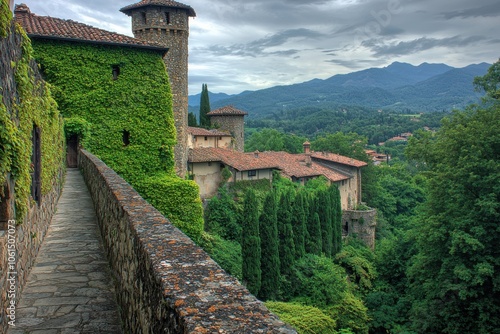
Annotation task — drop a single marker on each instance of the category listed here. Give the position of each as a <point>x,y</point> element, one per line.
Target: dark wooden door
<point>72,152</point>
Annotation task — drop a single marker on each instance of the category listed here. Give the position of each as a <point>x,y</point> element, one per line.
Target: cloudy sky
<point>238,45</point>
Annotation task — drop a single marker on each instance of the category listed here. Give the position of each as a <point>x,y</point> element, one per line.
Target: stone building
<point>167,22</point>
<point>232,120</point>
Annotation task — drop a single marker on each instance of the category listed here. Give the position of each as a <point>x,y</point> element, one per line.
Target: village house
<point>206,162</point>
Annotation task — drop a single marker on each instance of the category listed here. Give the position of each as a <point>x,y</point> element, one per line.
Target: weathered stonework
<point>234,124</point>
<point>26,237</point>
<point>165,283</point>
<point>19,240</point>
<point>169,26</point>
<point>361,223</point>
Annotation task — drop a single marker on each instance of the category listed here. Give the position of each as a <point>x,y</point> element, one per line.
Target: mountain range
<point>399,87</point>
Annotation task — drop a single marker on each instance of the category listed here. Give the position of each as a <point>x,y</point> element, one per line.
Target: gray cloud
<point>418,45</point>
<point>238,45</point>
<point>491,10</point>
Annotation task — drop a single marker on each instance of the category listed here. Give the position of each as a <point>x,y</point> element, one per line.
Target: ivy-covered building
<point>114,93</point>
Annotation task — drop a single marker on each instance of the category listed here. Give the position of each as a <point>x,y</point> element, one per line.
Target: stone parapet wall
<point>26,238</point>
<point>165,283</point>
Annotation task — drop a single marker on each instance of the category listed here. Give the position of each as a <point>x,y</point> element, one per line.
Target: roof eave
<point>79,40</point>
<point>128,9</point>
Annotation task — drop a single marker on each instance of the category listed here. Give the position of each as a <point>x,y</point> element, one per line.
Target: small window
<point>115,71</point>
<point>126,137</point>
<point>210,164</point>
<point>143,18</point>
<point>167,17</point>
<point>252,173</point>
<point>206,138</point>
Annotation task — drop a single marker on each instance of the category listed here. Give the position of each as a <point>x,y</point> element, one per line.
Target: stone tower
<point>230,119</point>
<point>167,22</point>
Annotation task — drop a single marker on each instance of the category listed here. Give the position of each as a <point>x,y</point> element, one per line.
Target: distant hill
<point>397,87</point>
<point>194,100</point>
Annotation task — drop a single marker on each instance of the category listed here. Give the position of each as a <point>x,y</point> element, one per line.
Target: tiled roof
<point>291,165</point>
<point>204,132</point>
<point>338,158</point>
<point>50,27</point>
<point>163,3</point>
<point>238,160</point>
<point>227,111</point>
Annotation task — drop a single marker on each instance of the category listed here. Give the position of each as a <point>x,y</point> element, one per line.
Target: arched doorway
<point>72,151</point>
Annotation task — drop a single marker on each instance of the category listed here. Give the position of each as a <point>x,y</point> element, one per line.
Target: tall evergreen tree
<point>204,107</point>
<point>250,243</point>
<point>326,218</point>
<point>299,221</point>
<point>285,231</point>
<point>313,242</point>
<point>270,260</point>
<point>336,206</point>
<point>192,119</point>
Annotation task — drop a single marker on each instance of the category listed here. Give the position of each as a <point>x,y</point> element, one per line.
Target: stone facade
<point>165,283</point>
<point>234,124</point>
<point>361,223</point>
<point>169,27</point>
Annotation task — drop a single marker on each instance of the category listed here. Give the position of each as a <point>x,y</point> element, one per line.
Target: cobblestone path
<point>69,290</point>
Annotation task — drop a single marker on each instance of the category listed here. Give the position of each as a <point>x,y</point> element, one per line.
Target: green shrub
<point>226,253</point>
<point>177,199</point>
<point>305,319</point>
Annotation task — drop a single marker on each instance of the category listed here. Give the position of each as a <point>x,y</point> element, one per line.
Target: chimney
<point>307,147</point>
<point>256,154</point>
<point>22,8</point>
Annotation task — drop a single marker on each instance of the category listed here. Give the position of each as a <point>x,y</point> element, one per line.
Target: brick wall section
<point>28,238</point>
<point>165,283</point>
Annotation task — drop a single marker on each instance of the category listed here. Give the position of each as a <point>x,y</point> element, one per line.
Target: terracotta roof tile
<point>291,165</point>
<point>166,3</point>
<point>227,111</point>
<point>338,158</point>
<point>50,27</point>
<point>204,132</point>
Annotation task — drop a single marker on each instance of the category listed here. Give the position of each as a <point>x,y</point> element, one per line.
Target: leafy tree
<point>192,120</point>
<point>270,259</point>
<point>250,244</point>
<point>455,275</point>
<point>204,107</point>
<point>305,319</point>
<point>490,82</point>
<point>226,253</point>
<point>350,313</point>
<point>220,216</point>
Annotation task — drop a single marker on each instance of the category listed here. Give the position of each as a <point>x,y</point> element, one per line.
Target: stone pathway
<point>70,289</point>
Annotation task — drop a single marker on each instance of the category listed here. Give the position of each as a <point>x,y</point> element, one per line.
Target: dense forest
<point>436,264</point>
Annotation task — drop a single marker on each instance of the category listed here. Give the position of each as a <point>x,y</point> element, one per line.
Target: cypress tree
<point>336,219</point>
<point>285,231</point>
<point>270,260</point>
<point>299,221</point>
<point>192,119</point>
<point>204,107</point>
<point>250,243</point>
<point>325,216</point>
<point>313,242</point>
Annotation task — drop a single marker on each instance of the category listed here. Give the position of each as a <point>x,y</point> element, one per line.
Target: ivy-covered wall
<point>26,102</point>
<point>136,103</point>
<point>123,94</point>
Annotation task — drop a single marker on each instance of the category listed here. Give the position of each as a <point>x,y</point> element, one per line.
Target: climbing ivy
<point>32,106</point>
<point>5,18</point>
<point>134,102</point>
<point>122,94</point>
